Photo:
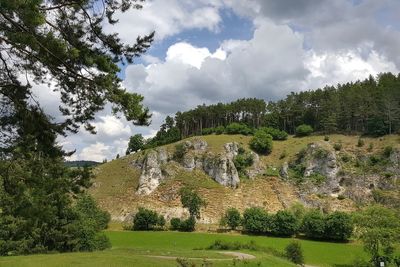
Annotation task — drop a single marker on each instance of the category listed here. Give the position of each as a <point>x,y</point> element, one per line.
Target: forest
<point>368,107</point>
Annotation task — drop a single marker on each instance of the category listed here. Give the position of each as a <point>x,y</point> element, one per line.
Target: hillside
<point>329,178</point>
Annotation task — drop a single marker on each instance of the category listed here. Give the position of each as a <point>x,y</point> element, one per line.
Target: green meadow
<point>162,248</point>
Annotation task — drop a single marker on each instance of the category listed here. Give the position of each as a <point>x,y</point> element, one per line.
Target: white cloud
<point>166,18</point>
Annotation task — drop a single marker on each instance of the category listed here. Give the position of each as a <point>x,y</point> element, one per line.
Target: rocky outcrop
<point>284,171</point>
<point>222,169</point>
<point>152,174</point>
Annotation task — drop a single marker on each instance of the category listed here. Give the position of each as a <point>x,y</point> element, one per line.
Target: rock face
<point>222,169</point>
<point>284,171</point>
<point>151,171</point>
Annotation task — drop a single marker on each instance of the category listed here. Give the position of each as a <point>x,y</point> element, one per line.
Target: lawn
<point>136,249</point>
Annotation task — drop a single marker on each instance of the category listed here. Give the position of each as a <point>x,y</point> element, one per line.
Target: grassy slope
<point>131,248</point>
<point>116,181</point>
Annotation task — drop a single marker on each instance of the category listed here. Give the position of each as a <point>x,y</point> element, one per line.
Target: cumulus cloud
<point>166,18</point>
<point>296,45</point>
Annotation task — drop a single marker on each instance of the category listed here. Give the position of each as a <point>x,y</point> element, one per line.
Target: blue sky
<point>209,51</point>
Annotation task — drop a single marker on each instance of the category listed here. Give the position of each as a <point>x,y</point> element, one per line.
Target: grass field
<point>137,249</point>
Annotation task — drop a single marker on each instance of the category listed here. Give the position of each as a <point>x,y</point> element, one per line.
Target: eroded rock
<point>151,173</point>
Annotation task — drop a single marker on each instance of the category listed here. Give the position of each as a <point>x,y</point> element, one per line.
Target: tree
<point>313,224</point>
<point>338,226</point>
<point>62,43</point>
<point>146,219</point>
<point>261,142</point>
<point>255,220</point>
<point>284,223</point>
<point>304,130</point>
<point>232,218</point>
<point>294,253</point>
<point>379,230</point>
<point>191,200</point>
<point>136,143</point>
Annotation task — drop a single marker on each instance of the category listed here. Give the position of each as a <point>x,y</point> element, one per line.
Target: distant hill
<point>81,163</point>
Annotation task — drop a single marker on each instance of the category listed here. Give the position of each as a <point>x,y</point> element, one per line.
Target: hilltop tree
<point>136,143</point>
<point>61,43</point>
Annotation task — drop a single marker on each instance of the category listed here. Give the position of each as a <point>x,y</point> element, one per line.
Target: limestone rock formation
<point>151,175</point>
<point>222,169</point>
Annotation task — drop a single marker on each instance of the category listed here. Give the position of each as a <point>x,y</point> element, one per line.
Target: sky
<point>209,51</point>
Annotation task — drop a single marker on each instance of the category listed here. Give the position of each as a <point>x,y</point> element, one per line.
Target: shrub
<point>313,225</point>
<point>326,138</point>
<point>283,154</point>
<point>261,142</point>
<point>338,226</point>
<point>321,153</point>
<point>242,161</point>
<point>387,151</point>
<point>187,225</point>
<point>294,253</point>
<point>175,223</point>
<point>192,201</point>
<point>180,150</point>
<point>238,128</point>
<point>317,178</point>
<point>337,146</point>
<point>370,147</point>
<point>360,142</point>
<point>284,223</point>
<point>304,130</point>
<point>275,133</point>
<point>219,130</point>
<point>346,158</point>
<point>255,220</point>
<point>232,218</point>
<point>87,207</point>
<point>146,219</point>
<point>207,131</point>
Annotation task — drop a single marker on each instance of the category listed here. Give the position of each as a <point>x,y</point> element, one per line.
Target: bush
<point>180,150</point>
<point>360,142</point>
<point>284,223</point>
<point>219,130</point>
<point>326,138</point>
<point>283,154</point>
<point>242,161</point>
<point>232,218</point>
<point>337,146</point>
<point>370,147</point>
<point>175,223</point>
<point>87,207</point>
<point>255,220</point>
<point>304,130</point>
<point>187,225</point>
<point>207,131</point>
<point>261,142</point>
<point>238,128</point>
<point>294,253</point>
<point>338,226</point>
<point>275,133</point>
<point>313,225</point>
<point>146,219</point>
<point>387,151</point>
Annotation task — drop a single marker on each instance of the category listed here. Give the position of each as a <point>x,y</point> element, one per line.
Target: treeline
<point>371,107</point>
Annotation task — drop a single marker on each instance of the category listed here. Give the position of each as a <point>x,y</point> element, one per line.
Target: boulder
<point>222,169</point>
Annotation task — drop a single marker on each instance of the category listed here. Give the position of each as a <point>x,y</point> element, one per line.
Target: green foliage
<point>283,154</point>
<point>370,147</point>
<point>360,142</point>
<point>304,130</point>
<point>294,253</point>
<point>238,128</point>
<point>317,178</point>
<point>88,209</point>
<point>337,146</point>
<point>191,200</point>
<point>313,225</point>
<point>346,158</point>
<point>188,225</point>
<point>136,143</point>
<point>219,129</point>
<point>275,133</point>
<point>261,142</point>
<point>284,223</point>
<point>387,151</point>
<point>338,226</point>
<point>321,153</point>
<point>146,219</point>
<point>242,161</point>
<point>379,230</point>
<point>326,138</point>
<point>180,151</point>
<point>175,223</point>
<point>255,220</point>
<point>226,245</point>
<point>232,218</point>
<point>272,171</point>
